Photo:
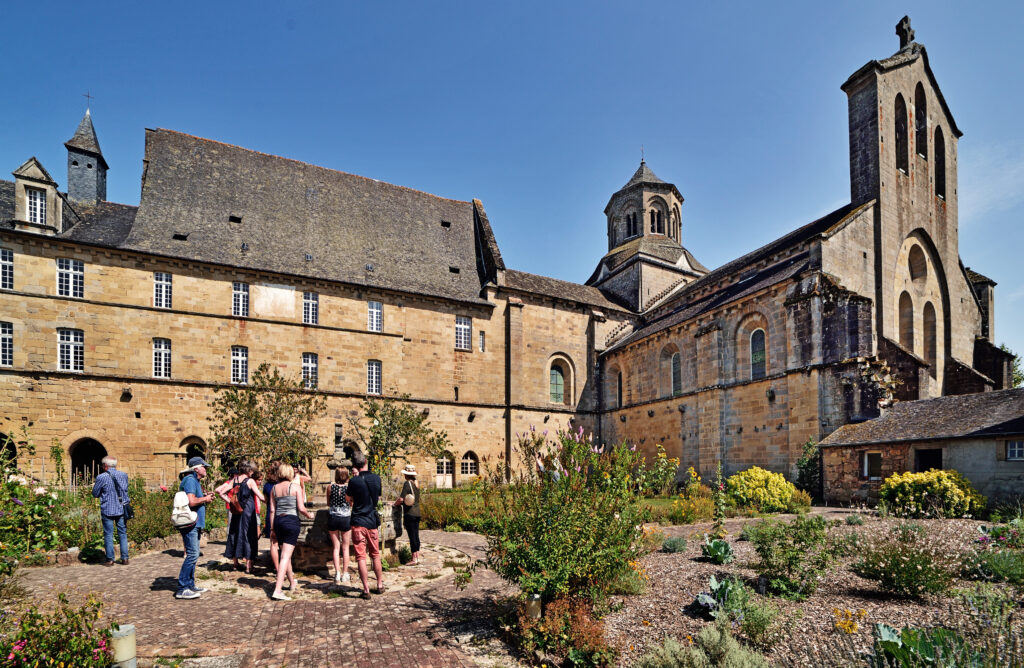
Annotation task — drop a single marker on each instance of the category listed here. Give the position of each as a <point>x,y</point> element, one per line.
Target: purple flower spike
<point>19,502</point>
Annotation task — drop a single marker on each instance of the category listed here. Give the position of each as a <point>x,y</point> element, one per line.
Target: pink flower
<point>163,488</point>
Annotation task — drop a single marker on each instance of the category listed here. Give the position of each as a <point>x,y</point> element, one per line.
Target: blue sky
<point>537,108</point>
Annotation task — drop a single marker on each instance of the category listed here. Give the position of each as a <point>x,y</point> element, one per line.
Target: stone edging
<point>69,557</point>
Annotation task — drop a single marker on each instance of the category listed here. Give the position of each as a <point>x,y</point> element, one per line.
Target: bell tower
<point>87,170</point>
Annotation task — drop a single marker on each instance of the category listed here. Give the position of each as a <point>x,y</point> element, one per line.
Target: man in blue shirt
<point>111,488</point>
<point>197,500</point>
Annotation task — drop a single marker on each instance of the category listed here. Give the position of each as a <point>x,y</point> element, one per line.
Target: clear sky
<point>537,108</point>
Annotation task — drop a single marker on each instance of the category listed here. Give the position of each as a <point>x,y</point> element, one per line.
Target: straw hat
<point>409,470</point>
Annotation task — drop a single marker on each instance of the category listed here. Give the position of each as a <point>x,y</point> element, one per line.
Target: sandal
<point>365,596</point>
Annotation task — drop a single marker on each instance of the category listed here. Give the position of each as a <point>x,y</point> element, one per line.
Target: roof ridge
<point>310,164</point>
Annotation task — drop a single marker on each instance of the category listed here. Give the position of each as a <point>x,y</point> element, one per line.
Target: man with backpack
<point>111,488</point>
<point>197,500</point>
<point>362,494</point>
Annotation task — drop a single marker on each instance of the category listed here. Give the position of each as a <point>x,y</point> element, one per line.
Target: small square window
<point>871,465</point>
<point>1015,449</point>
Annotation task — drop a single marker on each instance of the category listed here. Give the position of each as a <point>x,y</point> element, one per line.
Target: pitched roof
<point>658,247</point>
<point>6,201</point>
<point>102,223</point>
<point>642,175</point>
<point>553,287</point>
<point>85,139</point>
<point>354,229</point>
<point>974,277</point>
<point>986,414</point>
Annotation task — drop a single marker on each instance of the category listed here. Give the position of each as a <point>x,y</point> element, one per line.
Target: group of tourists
<point>353,518</point>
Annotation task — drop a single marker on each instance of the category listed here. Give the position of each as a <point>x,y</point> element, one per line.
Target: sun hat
<point>409,470</point>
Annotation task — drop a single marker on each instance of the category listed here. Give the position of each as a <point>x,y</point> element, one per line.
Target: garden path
<point>419,627</point>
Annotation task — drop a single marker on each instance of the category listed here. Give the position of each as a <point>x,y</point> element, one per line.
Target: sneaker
<point>337,578</point>
<point>346,577</point>
<point>187,593</point>
<point>280,597</point>
<point>365,596</point>
<point>200,590</point>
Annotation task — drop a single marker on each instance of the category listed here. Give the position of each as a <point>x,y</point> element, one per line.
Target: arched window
<point>920,122</point>
<point>661,224</point>
<point>677,375</point>
<point>86,459</point>
<point>618,391</point>
<point>940,164</point>
<point>918,264</point>
<point>654,220</point>
<point>557,385</point>
<point>445,471</point>
<point>907,321</point>
<point>469,466</point>
<point>190,447</point>
<point>758,359</point>
<point>902,141</point>
<point>930,353</point>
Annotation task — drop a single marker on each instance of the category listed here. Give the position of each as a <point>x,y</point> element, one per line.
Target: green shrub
<point>716,550</point>
<point>68,636</point>
<point>855,520</point>
<point>800,502</point>
<point>905,562</point>
<point>452,528</point>
<point>997,566</point>
<point>922,647</point>
<point>761,490</point>
<point>658,477</point>
<point>808,467</point>
<point>713,646</point>
<point>404,555</point>
<point>567,629</point>
<point>748,532</point>
<point>793,555</point>
<point>674,544</point>
<point>629,582</point>
<point>463,507</point>
<point>932,493</point>
<point>725,598</point>
<point>760,624</point>
<point>570,534</point>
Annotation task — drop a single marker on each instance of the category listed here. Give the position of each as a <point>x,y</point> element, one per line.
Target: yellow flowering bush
<point>933,493</point>
<point>762,490</point>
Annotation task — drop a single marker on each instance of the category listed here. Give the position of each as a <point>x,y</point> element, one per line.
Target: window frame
<point>161,358</point>
<point>239,365</point>
<point>374,316</point>
<point>473,462</point>
<point>1014,450</point>
<point>70,350</point>
<point>310,370</point>
<point>865,464</point>
<point>764,354</point>
<point>553,370</point>
<point>310,307</point>
<point>374,377</point>
<point>6,269</point>
<point>6,344</point>
<point>676,369</point>
<point>163,291</point>
<point>35,205</point>
<point>240,299</point>
<point>444,465</point>
<point>464,333</point>
<point>70,278</point>
<point>483,341</point>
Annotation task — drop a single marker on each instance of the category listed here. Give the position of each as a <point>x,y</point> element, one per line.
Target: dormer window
<point>36,199</point>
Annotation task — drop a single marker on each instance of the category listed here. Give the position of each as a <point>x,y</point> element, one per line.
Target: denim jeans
<point>108,536</point>
<point>187,576</point>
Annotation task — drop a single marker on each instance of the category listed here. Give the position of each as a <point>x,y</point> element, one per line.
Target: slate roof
<point>974,277</point>
<point>356,230</point>
<point>6,201</point>
<point>982,415</point>
<point>662,248</point>
<point>553,287</point>
<point>642,175</point>
<point>103,223</point>
<point>85,139</point>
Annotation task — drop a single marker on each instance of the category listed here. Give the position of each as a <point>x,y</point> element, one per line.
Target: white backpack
<point>182,517</point>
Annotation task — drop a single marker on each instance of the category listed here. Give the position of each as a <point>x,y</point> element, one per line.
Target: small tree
<point>389,429</point>
<point>1016,374</point>
<point>270,418</point>
<point>808,469</point>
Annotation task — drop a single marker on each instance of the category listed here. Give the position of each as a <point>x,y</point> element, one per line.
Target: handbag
<point>126,506</point>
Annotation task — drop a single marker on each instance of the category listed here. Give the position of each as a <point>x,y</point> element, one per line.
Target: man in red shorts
<point>363,492</point>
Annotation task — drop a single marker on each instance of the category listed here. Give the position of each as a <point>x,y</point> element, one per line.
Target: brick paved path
<point>399,628</point>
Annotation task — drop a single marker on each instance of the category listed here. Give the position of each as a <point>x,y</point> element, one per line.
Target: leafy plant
<point>934,493</point>
<point>800,502</point>
<point>725,598</point>
<point>674,544</point>
<point>68,636</point>
<point>855,520</point>
<point>923,647</point>
<point>761,490</point>
<point>568,628</point>
<point>760,624</point>
<point>998,566</point>
<point>659,477</point>
<point>566,534</point>
<point>452,528</point>
<point>716,550</point>
<point>808,467</point>
<point>1005,535</point>
<point>793,555</point>
<point>404,555</point>
<point>713,646</point>
<point>272,417</point>
<point>907,563</point>
<point>718,497</point>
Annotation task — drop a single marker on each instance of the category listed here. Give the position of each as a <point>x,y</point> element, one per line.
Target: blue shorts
<point>340,523</point>
<point>286,528</point>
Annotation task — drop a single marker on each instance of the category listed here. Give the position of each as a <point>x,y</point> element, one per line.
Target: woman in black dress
<point>410,499</point>
<point>243,532</point>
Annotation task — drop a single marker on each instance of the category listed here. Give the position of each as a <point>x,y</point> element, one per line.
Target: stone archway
<point>86,459</point>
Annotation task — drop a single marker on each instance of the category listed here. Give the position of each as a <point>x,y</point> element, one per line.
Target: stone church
<point>117,322</point>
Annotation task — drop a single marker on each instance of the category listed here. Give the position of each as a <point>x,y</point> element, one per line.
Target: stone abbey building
<point>118,321</point>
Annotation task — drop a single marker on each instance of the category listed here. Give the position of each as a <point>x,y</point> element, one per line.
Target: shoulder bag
<point>126,506</point>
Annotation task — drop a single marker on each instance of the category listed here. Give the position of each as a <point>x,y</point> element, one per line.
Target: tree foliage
<point>389,429</point>
<point>270,418</point>
<point>1016,373</point>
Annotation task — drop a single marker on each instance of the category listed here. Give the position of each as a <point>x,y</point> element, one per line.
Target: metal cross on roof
<point>904,31</point>
<point>641,152</point>
<point>88,100</point>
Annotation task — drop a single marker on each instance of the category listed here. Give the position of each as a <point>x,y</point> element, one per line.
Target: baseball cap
<point>196,461</point>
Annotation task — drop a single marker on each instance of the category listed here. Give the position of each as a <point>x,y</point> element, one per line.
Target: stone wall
<point>843,479</point>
